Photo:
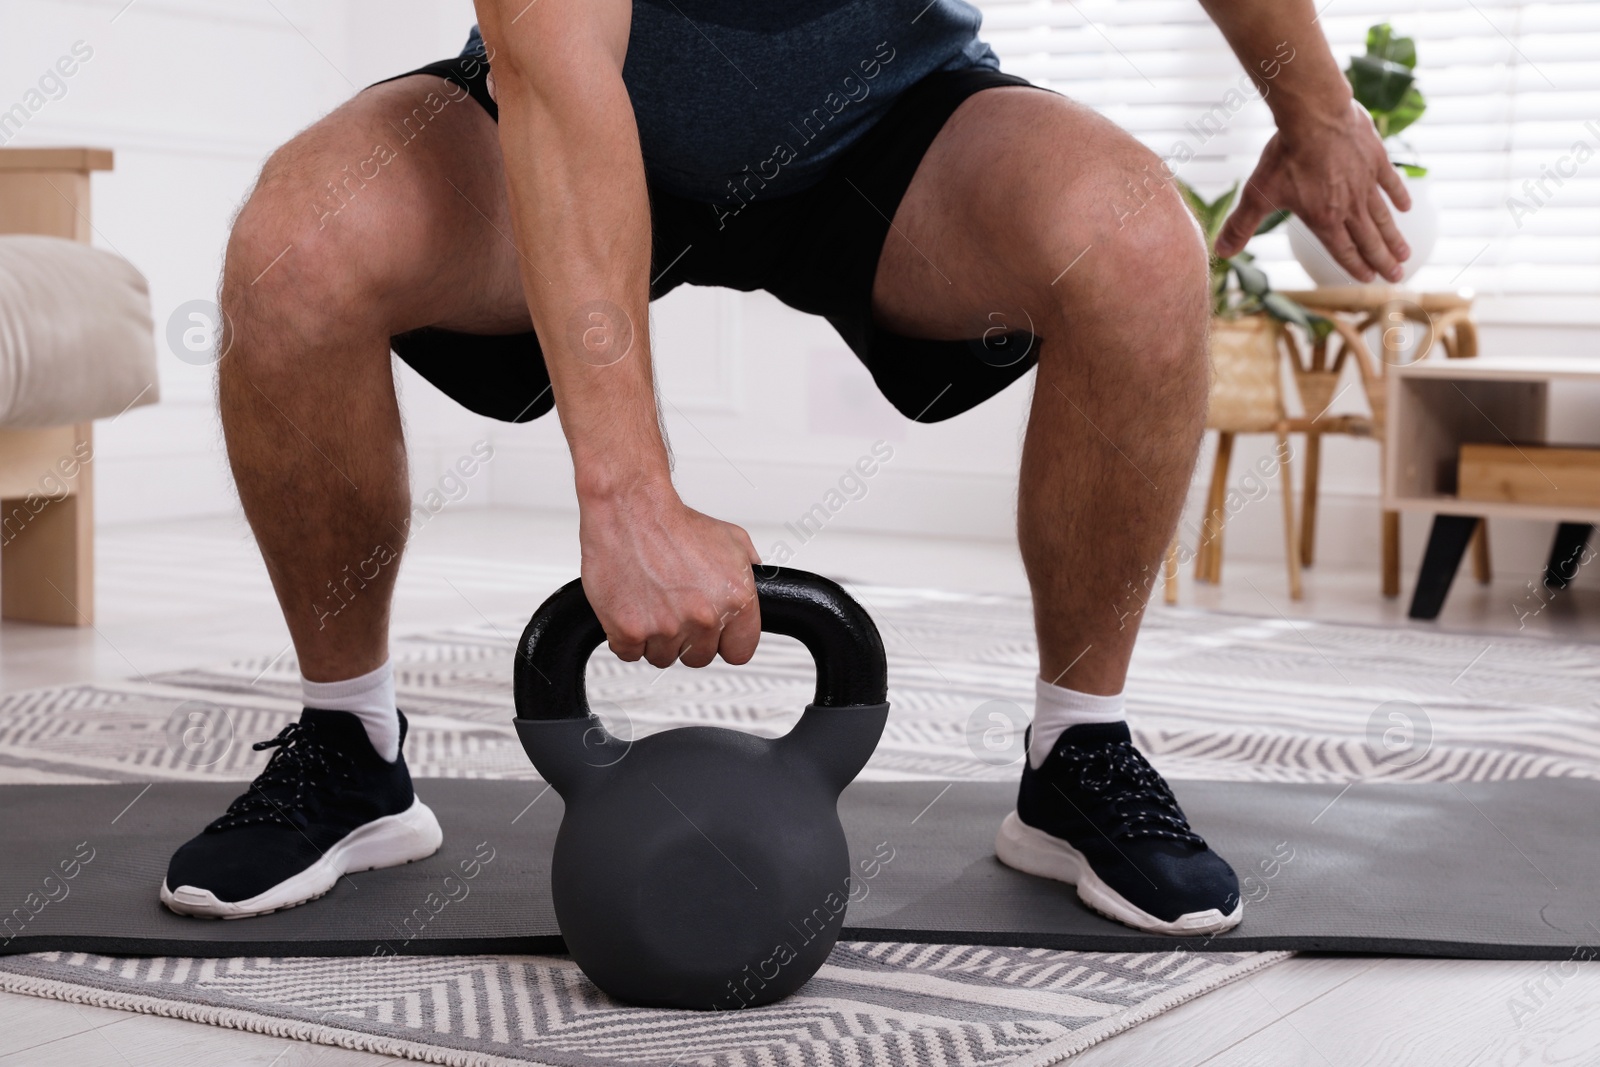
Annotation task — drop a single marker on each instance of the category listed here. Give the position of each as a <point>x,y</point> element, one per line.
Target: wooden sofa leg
<point>47,565</point>
<point>47,552</point>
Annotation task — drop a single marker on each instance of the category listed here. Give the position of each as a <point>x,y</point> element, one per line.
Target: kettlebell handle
<point>548,677</point>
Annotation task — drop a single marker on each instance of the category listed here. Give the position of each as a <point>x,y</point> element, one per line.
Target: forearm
<point>581,222</point>
<point>1283,50</point>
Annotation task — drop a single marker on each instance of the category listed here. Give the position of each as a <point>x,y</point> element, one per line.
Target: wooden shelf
<point>1504,368</point>
<point>1447,504</point>
<point>1437,406</point>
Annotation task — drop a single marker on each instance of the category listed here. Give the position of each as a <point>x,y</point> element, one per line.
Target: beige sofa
<point>76,344</point>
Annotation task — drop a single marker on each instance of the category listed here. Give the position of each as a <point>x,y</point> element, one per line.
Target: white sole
<point>411,835</point>
<point>1035,852</point>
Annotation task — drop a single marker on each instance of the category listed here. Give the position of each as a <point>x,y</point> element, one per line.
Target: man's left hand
<point>1329,175</point>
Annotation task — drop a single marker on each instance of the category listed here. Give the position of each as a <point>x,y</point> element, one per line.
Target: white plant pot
<point>1419,226</point>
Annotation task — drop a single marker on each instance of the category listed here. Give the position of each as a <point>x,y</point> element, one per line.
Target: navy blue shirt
<point>757,95</point>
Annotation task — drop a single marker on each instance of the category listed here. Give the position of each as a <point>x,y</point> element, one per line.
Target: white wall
<point>768,409</point>
<point>192,95</point>
<point>765,407</point>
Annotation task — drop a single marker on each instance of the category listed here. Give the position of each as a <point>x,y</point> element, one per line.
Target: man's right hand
<point>667,581</point>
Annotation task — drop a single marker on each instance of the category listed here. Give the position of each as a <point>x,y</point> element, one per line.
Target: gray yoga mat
<point>1499,870</point>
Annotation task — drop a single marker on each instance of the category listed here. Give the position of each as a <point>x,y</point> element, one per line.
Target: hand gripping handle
<point>548,682</point>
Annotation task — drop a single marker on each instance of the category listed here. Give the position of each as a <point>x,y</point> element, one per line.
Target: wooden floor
<point>41,1032</point>
<point>1344,1011</point>
<point>180,594</point>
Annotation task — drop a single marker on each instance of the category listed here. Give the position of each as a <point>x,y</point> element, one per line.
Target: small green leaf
<point>1192,198</point>
<point>1379,84</point>
<point>1383,44</point>
<point>1272,221</point>
<point>1217,214</point>
<point>1206,214</point>
<point>1252,279</point>
<point>1409,110</point>
<point>1224,203</point>
<point>1411,170</point>
<point>1283,309</point>
<point>1378,39</point>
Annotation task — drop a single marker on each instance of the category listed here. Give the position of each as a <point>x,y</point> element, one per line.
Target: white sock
<point>1056,708</point>
<point>369,697</point>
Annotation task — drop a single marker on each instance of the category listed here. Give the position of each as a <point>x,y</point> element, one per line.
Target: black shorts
<point>816,250</point>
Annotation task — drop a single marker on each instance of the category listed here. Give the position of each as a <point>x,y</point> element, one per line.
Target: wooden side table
<point>1445,319</point>
<point>47,543</point>
<point>1438,406</point>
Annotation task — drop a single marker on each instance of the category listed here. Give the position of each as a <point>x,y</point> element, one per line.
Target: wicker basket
<point>1246,375</point>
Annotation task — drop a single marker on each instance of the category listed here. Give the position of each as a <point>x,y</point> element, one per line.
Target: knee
<point>291,281</point>
<point>1142,287</point>
<point>1152,247</point>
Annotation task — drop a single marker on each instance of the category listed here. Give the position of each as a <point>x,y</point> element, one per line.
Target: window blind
<point>1511,136</point>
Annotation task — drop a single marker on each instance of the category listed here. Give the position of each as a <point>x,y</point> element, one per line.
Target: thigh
<point>395,202</point>
<point>1012,212</point>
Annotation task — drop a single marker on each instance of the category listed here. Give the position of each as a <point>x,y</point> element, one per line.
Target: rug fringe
<point>255,1022</point>
<point>1127,1019</point>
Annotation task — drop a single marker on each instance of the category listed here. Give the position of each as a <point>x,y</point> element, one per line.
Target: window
<point>1511,136</point>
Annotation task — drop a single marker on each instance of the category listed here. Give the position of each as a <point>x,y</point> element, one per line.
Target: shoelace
<point>299,762</point>
<point>1132,789</point>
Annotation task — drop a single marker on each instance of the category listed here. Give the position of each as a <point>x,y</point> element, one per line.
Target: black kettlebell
<point>702,867</point>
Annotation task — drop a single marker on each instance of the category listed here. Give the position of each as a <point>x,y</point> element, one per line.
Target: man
<point>864,160</point>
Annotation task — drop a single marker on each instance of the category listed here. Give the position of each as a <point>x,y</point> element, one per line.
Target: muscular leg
<point>1023,207</point>
<point>1036,209</point>
<point>385,216</point>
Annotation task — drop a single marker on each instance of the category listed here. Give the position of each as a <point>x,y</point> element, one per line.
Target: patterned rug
<point>871,1004</point>
<point>1211,696</point>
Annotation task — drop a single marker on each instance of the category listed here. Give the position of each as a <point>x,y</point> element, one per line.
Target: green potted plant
<point>1246,319</point>
<point>1383,81</point>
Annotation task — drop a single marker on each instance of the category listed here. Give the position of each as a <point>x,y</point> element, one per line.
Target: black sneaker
<point>326,804</point>
<point>1096,815</point>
